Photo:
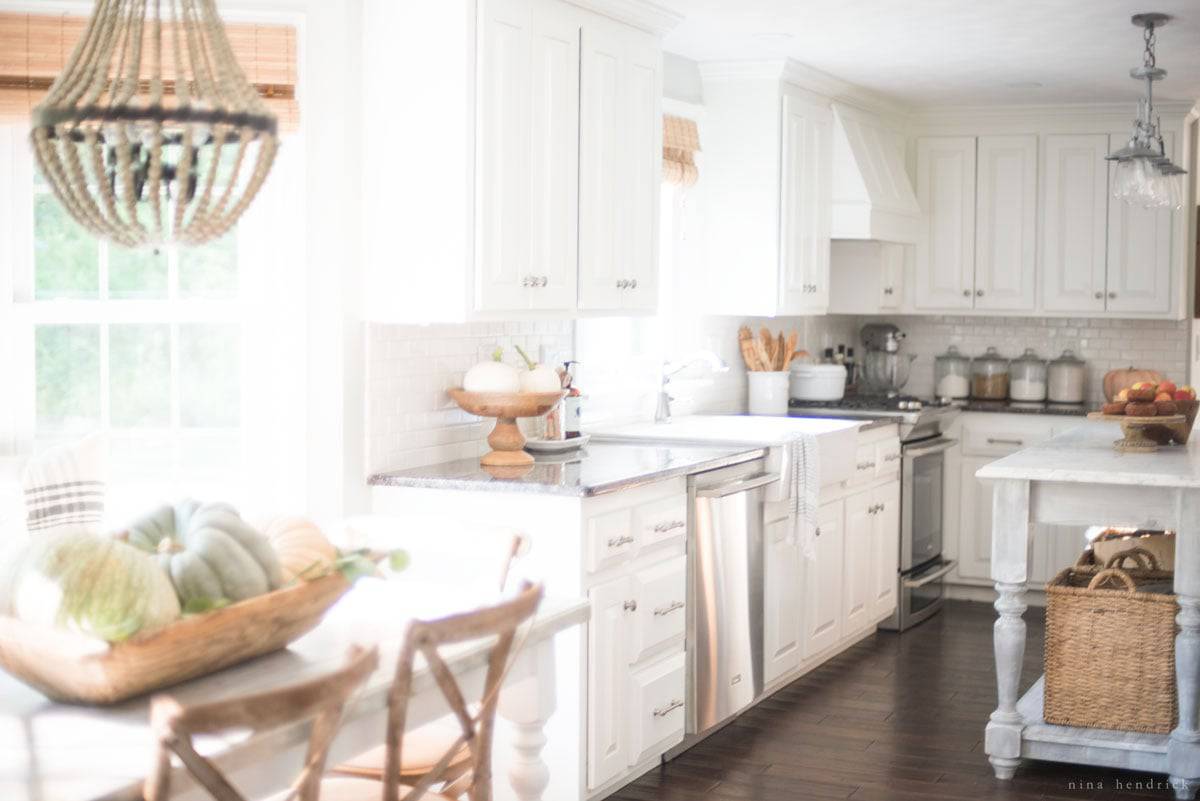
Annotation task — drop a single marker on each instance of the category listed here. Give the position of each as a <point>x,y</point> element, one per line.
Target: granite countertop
<point>596,469</point>
<point>1021,407</point>
<point>1085,455</point>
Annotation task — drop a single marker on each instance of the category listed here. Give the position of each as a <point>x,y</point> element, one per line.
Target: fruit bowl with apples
<point>1151,413</point>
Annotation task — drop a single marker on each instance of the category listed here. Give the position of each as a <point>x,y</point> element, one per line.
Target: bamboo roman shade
<point>681,140</point>
<point>35,47</point>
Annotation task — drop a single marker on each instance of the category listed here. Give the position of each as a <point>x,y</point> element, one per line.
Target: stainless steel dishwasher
<point>725,593</point>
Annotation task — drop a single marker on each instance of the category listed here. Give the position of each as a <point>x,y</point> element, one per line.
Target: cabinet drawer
<point>656,708</point>
<point>610,538</point>
<point>865,464</point>
<point>887,458</point>
<point>1001,441</point>
<point>661,521</point>
<point>660,590</point>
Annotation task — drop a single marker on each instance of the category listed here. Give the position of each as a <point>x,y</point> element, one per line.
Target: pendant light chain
<point>141,158</point>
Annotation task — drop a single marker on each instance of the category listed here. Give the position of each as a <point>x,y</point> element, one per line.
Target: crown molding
<point>642,14</point>
<point>1117,109</point>
<point>809,78</point>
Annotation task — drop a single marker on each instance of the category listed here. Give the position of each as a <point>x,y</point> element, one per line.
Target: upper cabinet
<point>946,237</point>
<point>540,197</point>
<point>768,191</point>
<point>1138,278</point>
<point>1075,197</point>
<point>619,177</point>
<point>977,247</point>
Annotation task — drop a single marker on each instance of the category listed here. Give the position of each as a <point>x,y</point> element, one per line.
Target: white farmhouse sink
<point>836,439</point>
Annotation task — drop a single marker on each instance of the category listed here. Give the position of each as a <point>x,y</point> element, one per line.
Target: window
<point>169,350</point>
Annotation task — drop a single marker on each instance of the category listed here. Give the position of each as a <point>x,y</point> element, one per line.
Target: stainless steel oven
<point>922,568</point>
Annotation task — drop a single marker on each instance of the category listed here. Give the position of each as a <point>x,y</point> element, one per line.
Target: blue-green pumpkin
<point>210,553</point>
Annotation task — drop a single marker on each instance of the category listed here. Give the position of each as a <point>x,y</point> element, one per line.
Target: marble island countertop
<point>596,469</point>
<point>1085,455</point>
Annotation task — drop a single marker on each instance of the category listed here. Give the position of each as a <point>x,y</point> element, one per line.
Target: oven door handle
<point>929,578</point>
<point>937,446</point>
<point>742,485</point>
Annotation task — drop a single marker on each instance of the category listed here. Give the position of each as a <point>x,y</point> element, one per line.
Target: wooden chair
<point>424,747</point>
<point>475,723</point>
<point>321,699</point>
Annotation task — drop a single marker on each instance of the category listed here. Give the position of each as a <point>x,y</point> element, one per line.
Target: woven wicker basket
<point>1110,648</point>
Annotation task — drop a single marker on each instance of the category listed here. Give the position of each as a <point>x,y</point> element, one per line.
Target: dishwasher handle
<point>741,485</point>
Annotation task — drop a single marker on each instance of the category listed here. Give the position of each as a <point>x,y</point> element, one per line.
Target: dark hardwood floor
<point>895,718</point>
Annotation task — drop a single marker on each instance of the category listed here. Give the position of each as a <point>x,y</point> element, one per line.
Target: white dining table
<point>52,751</point>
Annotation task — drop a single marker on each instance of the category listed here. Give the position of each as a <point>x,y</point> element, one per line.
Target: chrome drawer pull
<point>891,457</point>
<point>663,711</point>
<point>670,525</point>
<point>617,542</point>
<point>629,606</point>
<point>663,611</point>
<point>1000,441</point>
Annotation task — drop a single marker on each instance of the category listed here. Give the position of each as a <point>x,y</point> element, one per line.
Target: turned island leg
<point>1010,565</point>
<point>1183,752</point>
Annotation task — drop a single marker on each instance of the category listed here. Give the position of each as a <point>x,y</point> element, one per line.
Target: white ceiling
<point>952,52</point>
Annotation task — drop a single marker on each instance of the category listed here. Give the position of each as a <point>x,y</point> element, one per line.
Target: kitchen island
<point>1077,478</point>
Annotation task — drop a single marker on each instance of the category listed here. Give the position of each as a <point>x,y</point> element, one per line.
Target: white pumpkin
<point>539,377</point>
<point>303,550</point>
<point>492,376</point>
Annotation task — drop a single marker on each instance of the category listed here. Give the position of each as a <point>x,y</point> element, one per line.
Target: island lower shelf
<point>1100,747</point>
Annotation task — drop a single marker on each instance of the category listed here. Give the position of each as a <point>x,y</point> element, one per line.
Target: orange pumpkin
<point>1117,380</point>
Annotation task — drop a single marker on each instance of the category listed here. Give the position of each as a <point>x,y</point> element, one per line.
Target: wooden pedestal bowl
<point>1146,434</point>
<point>506,439</point>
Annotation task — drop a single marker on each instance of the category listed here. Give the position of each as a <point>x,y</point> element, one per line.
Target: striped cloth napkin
<point>65,487</point>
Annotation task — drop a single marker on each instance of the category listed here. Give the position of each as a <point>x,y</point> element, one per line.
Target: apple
<point>1179,395</point>
<point>1164,396</point>
<point>1122,396</point>
<point>1144,385</point>
<point>1191,393</point>
<point>1167,387</point>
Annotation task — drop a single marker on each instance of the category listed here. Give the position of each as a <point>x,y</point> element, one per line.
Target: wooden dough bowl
<point>75,668</point>
<point>506,439</point>
<point>1146,434</point>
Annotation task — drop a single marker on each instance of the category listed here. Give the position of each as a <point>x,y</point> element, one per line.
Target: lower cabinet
<point>858,559</point>
<point>783,606</point>
<point>885,545</point>
<point>823,581</point>
<point>636,667</point>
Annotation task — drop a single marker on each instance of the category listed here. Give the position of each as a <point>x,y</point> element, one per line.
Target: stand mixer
<point>885,369</point>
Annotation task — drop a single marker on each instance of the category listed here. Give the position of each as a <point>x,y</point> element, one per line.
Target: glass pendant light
<point>1144,175</point>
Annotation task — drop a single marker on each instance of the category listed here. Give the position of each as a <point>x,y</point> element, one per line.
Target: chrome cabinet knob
<point>629,606</point>
<point>966,293</point>
<point>527,281</point>
<point>1099,296</point>
<point>622,284</point>
<point>979,293</point>
<point>818,531</point>
<point>888,290</point>
<point>543,280</point>
<point>1112,295</point>
<point>633,284</point>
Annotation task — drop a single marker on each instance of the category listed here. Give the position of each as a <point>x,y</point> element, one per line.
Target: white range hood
<point>872,196</point>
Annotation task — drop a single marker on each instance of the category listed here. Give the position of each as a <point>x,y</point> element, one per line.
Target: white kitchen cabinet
<point>1074,222</point>
<point>946,237</point>
<point>975,521</point>
<point>783,602</point>
<point>620,88</point>
<point>885,549</point>
<point>1006,223</point>
<point>806,206</point>
<point>613,605</point>
<point>660,592</point>
<point>1139,250</point>
<point>823,581</point>
<point>867,276</point>
<point>858,561</point>
<point>657,693</point>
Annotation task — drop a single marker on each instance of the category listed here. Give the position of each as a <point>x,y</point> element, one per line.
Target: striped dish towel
<point>805,490</point>
<point>65,487</point>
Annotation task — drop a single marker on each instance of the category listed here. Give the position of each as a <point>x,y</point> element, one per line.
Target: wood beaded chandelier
<point>146,144</point>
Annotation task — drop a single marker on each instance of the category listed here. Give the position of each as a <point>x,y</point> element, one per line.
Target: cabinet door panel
<point>554,162</point>
<point>806,209</point>
<point>885,549</point>
<point>823,582</point>
<point>782,603</point>
<point>608,671</point>
<point>1075,206</point>
<point>946,239</point>
<point>660,591</point>
<point>603,247</point>
<point>857,572</point>
<point>1139,251</point>
<point>643,160</point>
<point>1006,224</point>
<point>656,712</point>
<point>891,285</point>
<point>975,529</point>
<point>502,193</point>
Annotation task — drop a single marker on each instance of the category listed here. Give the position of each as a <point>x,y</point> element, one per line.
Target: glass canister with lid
<point>989,376</point>
<point>1067,378</point>
<point>1027,378</point>
<point>952,375</point>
